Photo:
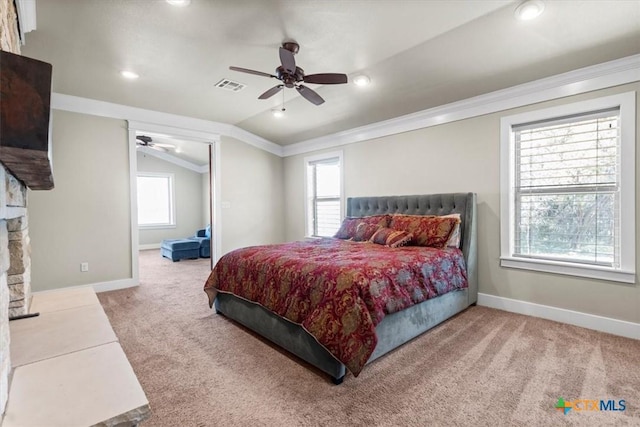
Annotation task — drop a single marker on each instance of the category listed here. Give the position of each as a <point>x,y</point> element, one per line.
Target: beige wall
<point>465,156</point>
<point>188,200</point>
<point>86,217</point>
<point>252,185</point>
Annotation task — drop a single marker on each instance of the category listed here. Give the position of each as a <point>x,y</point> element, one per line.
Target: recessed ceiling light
<point>362,80</point>
<point>180,3</point>
<point>529,9</point>
<point>129,74</point>
<point>278,113</point>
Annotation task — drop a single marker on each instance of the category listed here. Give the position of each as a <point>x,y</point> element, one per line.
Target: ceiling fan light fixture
<point>529,9</point>
<point>278,113</point>
<point>128,74</point>
<point>179,3</point>
<point>362,80</point>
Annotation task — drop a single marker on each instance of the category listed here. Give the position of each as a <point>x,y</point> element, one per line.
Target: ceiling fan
<point>147,141</point>
<point>293,76</point>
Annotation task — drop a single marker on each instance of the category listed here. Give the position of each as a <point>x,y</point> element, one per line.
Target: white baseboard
<point>149,246</point>
<point>98,287</point>
<point>576,318</point>
<point>114,285</point>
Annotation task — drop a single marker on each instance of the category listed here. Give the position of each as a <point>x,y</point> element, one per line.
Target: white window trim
<point>172,190</point>
<point>315,158</point>
<point>626,272</point>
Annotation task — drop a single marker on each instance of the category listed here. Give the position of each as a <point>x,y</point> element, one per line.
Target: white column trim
<point>133,200</point>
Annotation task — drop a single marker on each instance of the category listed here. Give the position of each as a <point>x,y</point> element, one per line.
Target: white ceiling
<point>419,54</point>
<point>193,152</point>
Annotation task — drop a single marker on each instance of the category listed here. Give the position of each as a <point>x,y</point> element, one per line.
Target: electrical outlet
<point>84,267</point>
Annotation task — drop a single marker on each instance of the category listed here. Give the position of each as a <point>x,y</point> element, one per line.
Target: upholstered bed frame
<point>395,329</point>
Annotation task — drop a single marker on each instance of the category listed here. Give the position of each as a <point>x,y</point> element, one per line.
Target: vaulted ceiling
<point>418,54</point>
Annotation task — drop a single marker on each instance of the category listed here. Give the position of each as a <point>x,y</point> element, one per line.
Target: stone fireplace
<point>17,165</point>
<point>9,41</point>
<point>15,277</point>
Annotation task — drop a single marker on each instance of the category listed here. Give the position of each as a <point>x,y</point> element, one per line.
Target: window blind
<point>324,190</point>
<point>567,187</point>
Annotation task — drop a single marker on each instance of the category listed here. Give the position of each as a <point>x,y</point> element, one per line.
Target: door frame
<point>213,140</point>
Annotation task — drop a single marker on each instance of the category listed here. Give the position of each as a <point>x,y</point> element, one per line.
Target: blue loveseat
<point>204,237</point>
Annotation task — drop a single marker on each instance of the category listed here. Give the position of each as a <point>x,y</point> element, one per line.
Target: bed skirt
<point>394,330</point>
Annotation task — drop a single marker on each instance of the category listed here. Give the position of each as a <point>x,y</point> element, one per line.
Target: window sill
<point>569,269</point>
<point>317,237</point>
<point>156,227</point>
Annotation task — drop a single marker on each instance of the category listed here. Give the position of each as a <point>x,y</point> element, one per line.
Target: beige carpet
<point>483,367</point>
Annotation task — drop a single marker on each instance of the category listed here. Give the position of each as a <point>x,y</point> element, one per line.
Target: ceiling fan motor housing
<point>289,80</point>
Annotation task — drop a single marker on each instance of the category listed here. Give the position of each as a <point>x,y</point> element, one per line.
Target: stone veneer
<point>12,228</point>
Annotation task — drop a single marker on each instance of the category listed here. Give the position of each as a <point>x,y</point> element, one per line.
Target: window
<point>155,200</point>
<point>323,194</point>
<point>568,189</point>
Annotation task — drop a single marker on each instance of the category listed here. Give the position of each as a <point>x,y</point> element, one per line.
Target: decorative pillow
<point>390,237</point>
<point>365,231</point>
<point>428,230</point>
<point>350,225</point>
<point>454,239</point>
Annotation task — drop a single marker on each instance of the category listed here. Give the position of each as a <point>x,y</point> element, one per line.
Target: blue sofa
<point>203,236</point>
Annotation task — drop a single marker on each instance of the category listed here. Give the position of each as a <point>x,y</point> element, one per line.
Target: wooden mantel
<point>25,94</point>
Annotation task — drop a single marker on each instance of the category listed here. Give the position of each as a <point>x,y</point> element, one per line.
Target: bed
<point>316,340</point>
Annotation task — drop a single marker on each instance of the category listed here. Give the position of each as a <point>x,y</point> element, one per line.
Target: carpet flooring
<point>484,367</point>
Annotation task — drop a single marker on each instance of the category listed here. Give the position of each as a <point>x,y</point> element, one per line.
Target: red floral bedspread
<point>338,290</point>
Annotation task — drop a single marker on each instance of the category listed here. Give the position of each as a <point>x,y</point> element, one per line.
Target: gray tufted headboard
<point>431,204</point>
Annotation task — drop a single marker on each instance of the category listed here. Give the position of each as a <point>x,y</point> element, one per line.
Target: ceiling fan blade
<point>144,138</point>
<point>271,92</point>
<point>287,60</point>
<point>257,73</point>
<point>326,78</point>
<point>310,95</point>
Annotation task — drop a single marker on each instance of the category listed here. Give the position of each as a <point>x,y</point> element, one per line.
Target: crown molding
<point>186,124</point>
<point>601,76</point>
<point>26,10</point>
<point>173,159</point>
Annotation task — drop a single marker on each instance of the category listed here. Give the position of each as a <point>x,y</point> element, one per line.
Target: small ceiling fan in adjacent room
<point>147,141</point>
<point>293,76</point>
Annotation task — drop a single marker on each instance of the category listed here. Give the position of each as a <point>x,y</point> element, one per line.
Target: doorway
<point>174,191</point>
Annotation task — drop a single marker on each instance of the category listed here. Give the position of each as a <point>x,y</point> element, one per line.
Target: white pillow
<point>454,237</point>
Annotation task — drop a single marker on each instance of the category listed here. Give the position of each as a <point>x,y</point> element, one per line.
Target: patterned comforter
<point>338,290</point>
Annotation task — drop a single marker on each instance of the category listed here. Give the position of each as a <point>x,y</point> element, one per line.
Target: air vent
<point>227,84</point>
